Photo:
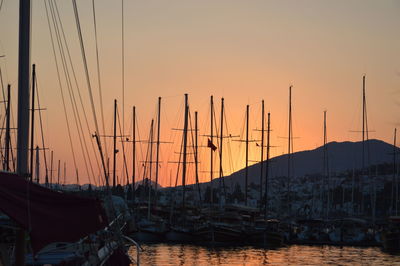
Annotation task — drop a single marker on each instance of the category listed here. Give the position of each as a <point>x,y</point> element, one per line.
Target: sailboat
<point>181,228</point>
<point>263,231</point>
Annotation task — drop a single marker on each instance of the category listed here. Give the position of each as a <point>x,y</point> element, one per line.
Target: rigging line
<point>144,162</point>
<point>79,93</point>
<point>77,118</point>
<point>78,26</point>
<point>123,149</point>
<point>41,128</point>
<point>179,163</point>
<point>59,82</point>
<point>98,78</point>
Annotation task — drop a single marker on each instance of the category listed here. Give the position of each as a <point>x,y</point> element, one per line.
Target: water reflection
<point>168,254</point>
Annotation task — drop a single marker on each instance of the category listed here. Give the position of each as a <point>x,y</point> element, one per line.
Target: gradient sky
<point>244,51</point>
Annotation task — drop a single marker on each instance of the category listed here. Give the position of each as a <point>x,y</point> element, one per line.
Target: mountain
<point>341,156</point>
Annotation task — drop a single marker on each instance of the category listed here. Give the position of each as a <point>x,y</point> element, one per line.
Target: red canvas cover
<point>48,215</point>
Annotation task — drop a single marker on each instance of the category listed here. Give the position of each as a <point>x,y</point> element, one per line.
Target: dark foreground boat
<point>62,228</point>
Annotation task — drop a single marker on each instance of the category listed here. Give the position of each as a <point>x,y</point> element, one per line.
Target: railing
<point>138,249</point>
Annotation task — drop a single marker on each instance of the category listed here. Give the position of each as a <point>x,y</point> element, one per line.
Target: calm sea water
<point>169,254</point>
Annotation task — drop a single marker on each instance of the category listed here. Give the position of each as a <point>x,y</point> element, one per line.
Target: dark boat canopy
<point>47,215</point>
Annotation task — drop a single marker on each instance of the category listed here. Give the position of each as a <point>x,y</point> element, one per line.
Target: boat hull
<point>391,241</point>
<point>220,235</point>
<point>265,239</point>
<point>179,236</point>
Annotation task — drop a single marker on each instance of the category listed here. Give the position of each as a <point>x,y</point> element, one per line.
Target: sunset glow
<point>243,51</point>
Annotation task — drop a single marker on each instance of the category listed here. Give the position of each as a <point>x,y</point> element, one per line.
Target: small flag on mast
<point>211,145</point>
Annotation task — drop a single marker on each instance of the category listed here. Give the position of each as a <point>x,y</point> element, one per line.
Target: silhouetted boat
<point>265,233</point>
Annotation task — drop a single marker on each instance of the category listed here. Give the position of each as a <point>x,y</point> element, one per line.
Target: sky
<point>244,51</point>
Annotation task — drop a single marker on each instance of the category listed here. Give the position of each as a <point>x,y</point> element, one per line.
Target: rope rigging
<point>85,151</point>
<point>42,132</point>
<point>59,82</point>
<point>99,79</point>
<point>58,27</point>
<point>89,87</point>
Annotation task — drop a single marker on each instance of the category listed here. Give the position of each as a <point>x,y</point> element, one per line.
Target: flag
<point>211,145</point>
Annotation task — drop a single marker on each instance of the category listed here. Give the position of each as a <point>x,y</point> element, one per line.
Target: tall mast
<point>247,154</point>
<point>115,142</point>
<point>7,140</point>
<point>325,167</point>
<point>158,146</point>
<point>363,125</point>
<point>364,138</point>
<point>23,88</point>
<point>267,166</point>
<point>220,152</point>
<point>262,152</point>
<point>196,155</point>
<point>394,183</point>
<point>150,168</point>
<point>289,148</point>
<point>133,152</point>
<point>23,111</point>
<point>211,150</point>
<point>185,129</point>
<point>361,185</point>
<point>58,175</point>
<point>51,168</point>
<point>65,173</point>
<point>32,118</point>
<point>37,167</point>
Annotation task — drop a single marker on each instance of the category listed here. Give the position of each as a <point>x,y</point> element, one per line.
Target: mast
<point>58,176</point>
<point>37,167</point>
<point>115,142</point>
<point>289,148</point>
<point>185,129</point>
<point>32,118</point>
<point>157,147</point>
<point>247,154</point>
<point>325,167</point>
<point>211,150</point>
<point>363,125</point>
<point>220,152</point>
<point>196,155</point>
<point>7,144</point>
<point>23,111</point>
<point>51,168</point>
<point>262,152</point>
<point>150,168</point>
<point>65,173</point>
<point>394,183</point>
<point>133,152</point>
<point>267,166</point>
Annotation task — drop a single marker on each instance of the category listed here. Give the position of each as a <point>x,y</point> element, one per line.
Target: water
<point>170,254</point>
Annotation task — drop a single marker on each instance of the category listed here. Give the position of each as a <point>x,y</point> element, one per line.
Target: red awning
<point>49,216</point>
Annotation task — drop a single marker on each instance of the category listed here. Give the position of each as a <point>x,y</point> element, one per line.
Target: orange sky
<point>242,51</point>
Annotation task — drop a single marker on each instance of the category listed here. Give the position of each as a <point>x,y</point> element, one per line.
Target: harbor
<point>199,133</point>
